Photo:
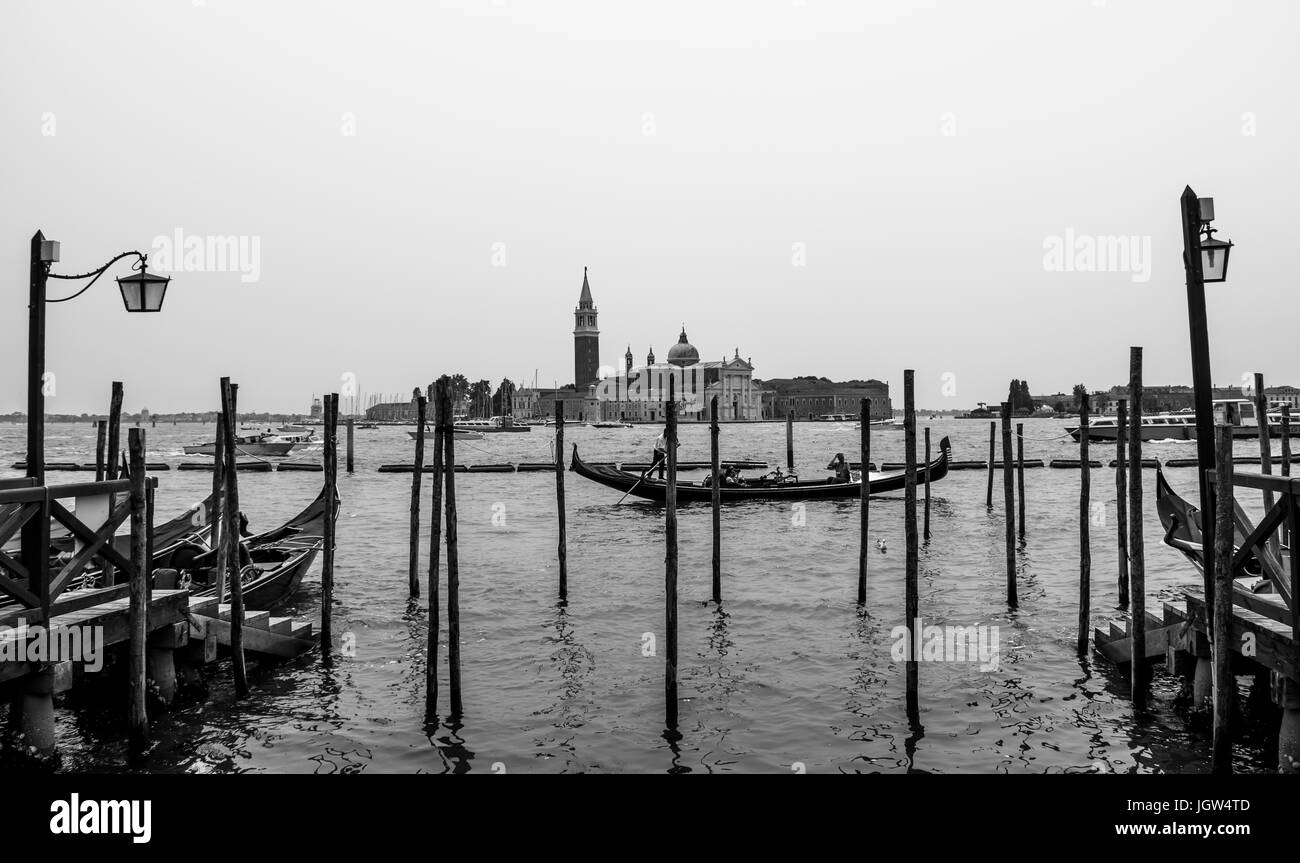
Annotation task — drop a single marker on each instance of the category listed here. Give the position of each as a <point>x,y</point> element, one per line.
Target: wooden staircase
<point>1116,641</point>
<point>273,636</point>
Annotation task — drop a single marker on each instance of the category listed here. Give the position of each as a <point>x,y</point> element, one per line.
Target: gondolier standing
<point>661,453</point>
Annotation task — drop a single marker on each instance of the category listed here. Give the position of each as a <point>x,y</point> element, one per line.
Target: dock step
<point>1116,644</point>
<point>261,633</point>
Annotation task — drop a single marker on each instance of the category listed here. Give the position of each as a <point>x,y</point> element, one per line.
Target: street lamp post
<point>1205,259</point>
<point>142,291</point>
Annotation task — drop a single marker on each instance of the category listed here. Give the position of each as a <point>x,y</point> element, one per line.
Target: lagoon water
<point>788,675</point>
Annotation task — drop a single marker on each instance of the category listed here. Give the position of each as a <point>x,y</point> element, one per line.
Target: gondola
<point>1182,525</point>
<point>655,489</point>
<point>278,559</point>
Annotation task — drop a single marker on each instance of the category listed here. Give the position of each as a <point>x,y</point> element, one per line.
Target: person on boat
<point>245,558</point>
<point>731,476</point>
<point>841,467</point>
<point>660,459</point>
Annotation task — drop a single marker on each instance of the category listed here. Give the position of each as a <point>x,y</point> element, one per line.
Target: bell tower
<point>586,340</point>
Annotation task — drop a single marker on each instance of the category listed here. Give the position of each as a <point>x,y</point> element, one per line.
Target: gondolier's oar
<point>644,474</point>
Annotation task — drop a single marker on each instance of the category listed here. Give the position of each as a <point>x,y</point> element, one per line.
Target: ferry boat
<point>1182,425</point>
<point>492,426</point>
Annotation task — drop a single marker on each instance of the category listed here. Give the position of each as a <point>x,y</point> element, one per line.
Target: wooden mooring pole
<point>789,440</point>
<point>1139,671</point>
<point>1121,500</point>
<point>1286,440</point>
<point>1085,541</point>
<point>864,497</point>
<point>925,534</point>
<point>1009,505</point>
<point>453,574</point>
<point>714,431</point>
<point>350,433</point>
<point>413,557</point>
<point>670,562</point>
<point>1221,759</point>
<point>1020,477</point>
<point>138,614</point>
<point>442,426</point>
<point>229,410</point>
<point>327,553</point>
<point>1265,450</point>
<point>114,441</point>
<point>993,433</point>
<point>101,441</point>
<point>562,550</point>
<point>912,572</point>
<point>1286,461</point>
<point>216,538</point>
<point>112,467</point>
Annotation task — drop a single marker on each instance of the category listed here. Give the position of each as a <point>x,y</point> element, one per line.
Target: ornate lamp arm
<point>94,275</point>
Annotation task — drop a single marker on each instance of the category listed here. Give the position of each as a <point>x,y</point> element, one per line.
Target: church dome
<point>683,353</point>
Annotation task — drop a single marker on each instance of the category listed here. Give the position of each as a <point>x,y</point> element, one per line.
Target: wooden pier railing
<point>1282,496</point>
<point>37,575</point>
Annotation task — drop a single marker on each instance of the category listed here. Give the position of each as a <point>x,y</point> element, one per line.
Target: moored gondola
<point>277,559</point>
<point>1182,525</point>
<point>649,488</point>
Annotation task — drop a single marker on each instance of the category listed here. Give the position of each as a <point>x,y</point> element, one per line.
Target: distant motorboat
<point>457,434</point>
<point>1179,426</point>
<point>492,426</point>
<point>609,424</point>
<point>255,444</point>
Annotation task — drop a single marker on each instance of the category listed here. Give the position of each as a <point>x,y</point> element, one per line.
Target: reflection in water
<point>574,664</point>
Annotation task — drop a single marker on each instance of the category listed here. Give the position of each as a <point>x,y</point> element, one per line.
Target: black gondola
<point>278,559</point>
<point>758,489</point>
<point>1182,524</point>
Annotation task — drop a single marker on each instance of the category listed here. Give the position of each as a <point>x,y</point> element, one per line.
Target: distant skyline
<point>836,188</point>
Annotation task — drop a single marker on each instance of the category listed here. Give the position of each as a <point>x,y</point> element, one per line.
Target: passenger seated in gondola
<point>732,476</point>
<point>841,467</point>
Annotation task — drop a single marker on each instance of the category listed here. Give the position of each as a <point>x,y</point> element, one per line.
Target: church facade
<point>640,393</point>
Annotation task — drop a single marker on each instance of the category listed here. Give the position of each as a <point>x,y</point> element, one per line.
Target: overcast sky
<point>844,189</point>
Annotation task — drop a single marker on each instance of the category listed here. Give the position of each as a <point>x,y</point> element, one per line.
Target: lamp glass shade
<point>1214,260</point>
<point>143,291</point>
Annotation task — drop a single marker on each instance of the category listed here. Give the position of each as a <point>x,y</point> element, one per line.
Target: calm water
<point>789,672</point>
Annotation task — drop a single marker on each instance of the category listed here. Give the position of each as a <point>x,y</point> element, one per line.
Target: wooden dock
<point>1260,634</point>
<point>60,620</point>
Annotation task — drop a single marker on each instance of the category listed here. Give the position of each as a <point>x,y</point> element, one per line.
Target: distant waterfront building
<point>807,398</point>
<point>1284,395</point>
<point>640,394</point>
<point>317,411</point>
<point>1160,398</point>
